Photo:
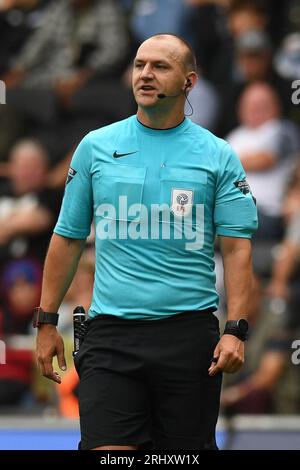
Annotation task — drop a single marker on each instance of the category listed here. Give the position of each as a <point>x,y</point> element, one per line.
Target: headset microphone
<point>187,85</point>
<point>161,96</point>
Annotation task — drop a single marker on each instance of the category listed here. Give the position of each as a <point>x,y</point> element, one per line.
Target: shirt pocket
<point>118,192</point>
<point>184,191</point>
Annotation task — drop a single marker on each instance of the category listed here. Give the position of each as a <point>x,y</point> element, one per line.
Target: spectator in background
<point>217,25</point>
<point>82,45</point>
<point>253,390</point>
<point>266,145</point>
<point>292,199</point>
<point>258,388</point>
<point>20,290</point>
<point>78,39</point>
<point>246,15</point>
<point>18,19</point>
<point>285,266</point>
<point>252,62</point>
<point>28,209</point>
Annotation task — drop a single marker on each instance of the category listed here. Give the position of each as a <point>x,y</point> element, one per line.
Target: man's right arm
<point>60,267</point>
<point>71,230</point>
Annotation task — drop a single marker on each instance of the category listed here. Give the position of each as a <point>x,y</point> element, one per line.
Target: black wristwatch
<point>238,328</point>
<point>40,317</point>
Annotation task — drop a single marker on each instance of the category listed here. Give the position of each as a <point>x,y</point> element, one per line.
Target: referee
<point>159,189</point>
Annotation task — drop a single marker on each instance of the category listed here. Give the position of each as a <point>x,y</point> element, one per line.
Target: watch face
<point>243,326</point>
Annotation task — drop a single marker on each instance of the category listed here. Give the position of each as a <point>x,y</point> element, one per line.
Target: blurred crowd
<point>66,65</point>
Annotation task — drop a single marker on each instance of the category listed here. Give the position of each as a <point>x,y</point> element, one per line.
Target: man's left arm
<point>236,253</point>
<point>26,222</point>
<point>235,219</point>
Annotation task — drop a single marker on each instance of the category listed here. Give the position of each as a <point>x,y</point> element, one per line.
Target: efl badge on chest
<point>181,201</point>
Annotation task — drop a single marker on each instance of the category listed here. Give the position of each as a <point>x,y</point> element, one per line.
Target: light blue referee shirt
<point>158,198</point>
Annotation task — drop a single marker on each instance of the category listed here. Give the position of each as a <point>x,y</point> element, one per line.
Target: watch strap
<point>232,328</point>
<point>41,317</point>
<point>233,332</point>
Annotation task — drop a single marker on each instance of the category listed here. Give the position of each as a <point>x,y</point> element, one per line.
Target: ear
<point>190,81</point>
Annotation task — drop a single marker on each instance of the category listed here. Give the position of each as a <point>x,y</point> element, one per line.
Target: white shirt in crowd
<point>280,139</point>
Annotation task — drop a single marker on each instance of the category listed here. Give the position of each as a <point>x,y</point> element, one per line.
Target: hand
<point>229,354</point>
<point>49,344</point>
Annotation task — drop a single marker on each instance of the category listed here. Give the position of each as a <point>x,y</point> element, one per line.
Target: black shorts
<point>146,382</point>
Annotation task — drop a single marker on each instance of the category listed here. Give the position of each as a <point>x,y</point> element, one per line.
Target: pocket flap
<point>123,171</point>
<point>183,175</point>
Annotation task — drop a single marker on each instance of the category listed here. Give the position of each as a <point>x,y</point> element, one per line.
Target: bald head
<point>164,66</point>
<point>182,49</point>
<point>28,166</point>
<point>258,104</point>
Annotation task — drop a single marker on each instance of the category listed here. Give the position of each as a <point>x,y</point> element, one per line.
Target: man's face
<point>28,169</point>
<point>158,68</point>
<point>258,105</point>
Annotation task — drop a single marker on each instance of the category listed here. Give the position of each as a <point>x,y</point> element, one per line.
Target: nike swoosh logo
<point>118,155</point>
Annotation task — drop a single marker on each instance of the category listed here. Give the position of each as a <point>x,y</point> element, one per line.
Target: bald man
<point>267,146</point>
<point>159,189</point>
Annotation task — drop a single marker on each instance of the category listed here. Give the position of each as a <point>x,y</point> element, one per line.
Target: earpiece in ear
<point>188,83</point>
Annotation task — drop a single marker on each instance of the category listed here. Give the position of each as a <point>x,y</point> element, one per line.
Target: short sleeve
<point>235,213</point>
<point>76,212</point>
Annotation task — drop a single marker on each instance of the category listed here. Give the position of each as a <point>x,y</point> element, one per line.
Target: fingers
<point>213,366</point>
<point>49,373</point>
<point>216,365</point>
<point>229,362</point>
<point>228,355</point>
<point>50,344</point>
<point>46,368</point>
<point>61,356</point>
